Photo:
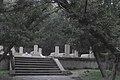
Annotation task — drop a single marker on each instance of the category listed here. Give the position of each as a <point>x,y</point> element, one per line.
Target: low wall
<point>68,63</point>
<point>4,64</point>
<point>80,63</point>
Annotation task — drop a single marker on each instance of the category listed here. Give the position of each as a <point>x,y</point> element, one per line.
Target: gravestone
<point>13,50</point>
<point>21,50</point>
<point>40,52</point>
<point>35,49</point>
<point>76,53</point>
<point>1,49</point>
<point>56,51</point>
<point>67,50</point>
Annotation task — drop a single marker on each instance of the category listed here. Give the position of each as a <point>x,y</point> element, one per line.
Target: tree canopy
<point>80,23</point>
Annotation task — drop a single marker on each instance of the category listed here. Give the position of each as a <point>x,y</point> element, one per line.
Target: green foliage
<point>23,24</point>
<point>47,25</point>
<point>4,75</point>
<point>39,23</point>
<point>102,15</point>
<point>94,75</point>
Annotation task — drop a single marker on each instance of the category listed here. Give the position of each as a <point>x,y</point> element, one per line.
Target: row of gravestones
<point>38,52</point>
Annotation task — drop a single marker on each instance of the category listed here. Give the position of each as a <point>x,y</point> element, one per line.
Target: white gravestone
<point>40,53</point>
<point>21,50</point>
<point>1,49</point>
<point>76,53</point>
<point>35,49</point>
<point>13,50</point>
<point>56,51</point>
<point>67,50</point>
<point>90,55</point>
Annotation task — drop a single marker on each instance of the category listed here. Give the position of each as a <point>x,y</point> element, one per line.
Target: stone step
<point>22,68</point>
<point>37,71</point>
<point>31,58</point>
<point>23,61</point>
<point>36,74</point>
<point>43,64</point>
<point>34,66</point>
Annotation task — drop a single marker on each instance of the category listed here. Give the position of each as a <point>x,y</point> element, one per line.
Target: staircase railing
<point>59,64</point>
<point>12,65</point>
<point>61,67</point>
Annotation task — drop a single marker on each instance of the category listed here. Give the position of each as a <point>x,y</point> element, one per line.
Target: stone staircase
<point>36,66</point>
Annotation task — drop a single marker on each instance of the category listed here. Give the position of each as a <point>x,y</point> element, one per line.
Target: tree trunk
<point>99,65</point>
<point>114,70</point>
<point>6,51</point>
<point>1,5</point>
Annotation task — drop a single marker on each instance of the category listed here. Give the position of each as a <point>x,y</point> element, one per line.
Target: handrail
<point>11,61</point>
<point>59,64</point>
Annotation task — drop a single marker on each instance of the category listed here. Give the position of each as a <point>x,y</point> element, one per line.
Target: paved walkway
<point>43,78</point>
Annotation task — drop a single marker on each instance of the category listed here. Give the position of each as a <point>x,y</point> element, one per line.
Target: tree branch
<point>86,3</point>
<point>6,51</point>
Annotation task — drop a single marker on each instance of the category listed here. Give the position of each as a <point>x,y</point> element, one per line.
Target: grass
<point>94,75</point>
<point>4,75</point>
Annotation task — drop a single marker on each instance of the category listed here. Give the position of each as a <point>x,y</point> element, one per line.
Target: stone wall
<point>80,63</point>
<point>68,63</point>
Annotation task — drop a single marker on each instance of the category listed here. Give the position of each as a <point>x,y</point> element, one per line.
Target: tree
<point>77,22</point>
<point>33,23</point>
<point>89,14</point>
<point>19,22</point>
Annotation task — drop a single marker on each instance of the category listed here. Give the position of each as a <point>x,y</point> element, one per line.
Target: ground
<point>91,74</point>
<point>4,75</point>
<point>43,78</point>
<point>84,74</point>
